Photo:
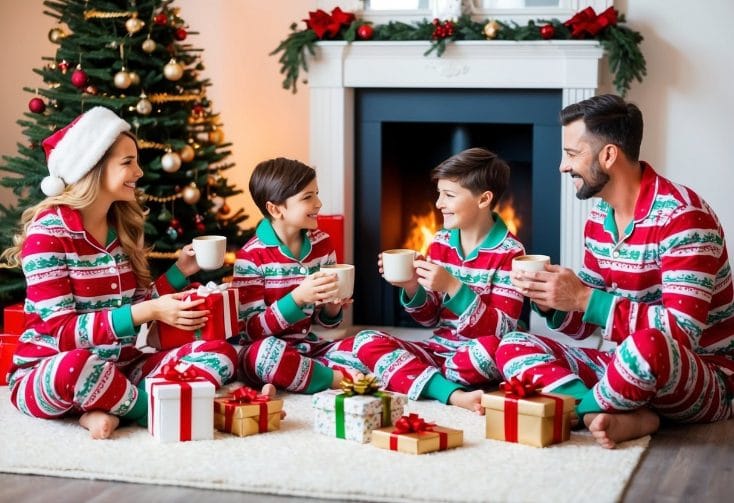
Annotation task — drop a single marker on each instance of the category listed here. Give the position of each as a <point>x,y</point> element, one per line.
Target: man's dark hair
<point>476,169</point>
<point>276,180</point>
<point>611,120</point>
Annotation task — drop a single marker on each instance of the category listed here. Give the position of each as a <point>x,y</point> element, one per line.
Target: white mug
<point>344,278</point>
<point>397,265</point>
<point>210,251</point>
<point>530,263</point>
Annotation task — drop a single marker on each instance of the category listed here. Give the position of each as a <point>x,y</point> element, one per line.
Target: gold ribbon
<point>368,385</point>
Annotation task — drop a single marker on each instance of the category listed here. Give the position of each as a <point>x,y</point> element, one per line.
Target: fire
<point>509,216</point>
<point>420,234</point>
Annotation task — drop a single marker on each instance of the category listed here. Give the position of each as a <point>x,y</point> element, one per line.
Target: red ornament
<point>160,19</point>
<point>36,105</point>
<point>79,78</point>
<point>547,31</point>
<point>180,34</point>
<point>365,32</point>
<point>63,66</point>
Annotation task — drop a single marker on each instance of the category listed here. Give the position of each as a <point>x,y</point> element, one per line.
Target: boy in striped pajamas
<point>282,289</point>
<point>89,287</point>
<point>656,279</point>
<point>462,289</point>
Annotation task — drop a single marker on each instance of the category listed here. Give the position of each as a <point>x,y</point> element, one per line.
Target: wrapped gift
<point>14,319</point>
<point>180,404</point>
<point>413,435</point>
<point>224,304</point>
<point>8,343</point>
<point>246,412</point>
<point>520,413</point>
<point>355,410</point>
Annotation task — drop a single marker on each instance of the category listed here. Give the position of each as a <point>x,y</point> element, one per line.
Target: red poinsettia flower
<point>587,22</point>
<point>328,24</point>
<point>318,21</point>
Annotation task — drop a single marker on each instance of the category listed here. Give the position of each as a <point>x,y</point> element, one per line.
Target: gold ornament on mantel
<point>191,194</point>
<point>491,29</point>
<point>173,71</point>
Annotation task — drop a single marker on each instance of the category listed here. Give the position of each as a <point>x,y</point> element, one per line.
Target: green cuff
<point>122,321</point>
<point>587,405</point>
<point>461,301</point>
<point>175,278</point>
<point>575,388</point>
<point>328,321</point>
<point>139,411</point>
<point>597,312</point>
<point>553,318</point>
<point>290,310</point>
<point>418,299</point>
<point>320,379</point>
<point>439,388</point>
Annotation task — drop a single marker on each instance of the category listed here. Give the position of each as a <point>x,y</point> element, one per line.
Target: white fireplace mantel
<point>338,67</point>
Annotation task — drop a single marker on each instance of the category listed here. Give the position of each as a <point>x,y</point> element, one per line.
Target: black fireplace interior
<point>403,134</point>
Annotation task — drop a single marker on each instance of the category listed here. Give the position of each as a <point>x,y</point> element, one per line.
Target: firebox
<point>402,134</point>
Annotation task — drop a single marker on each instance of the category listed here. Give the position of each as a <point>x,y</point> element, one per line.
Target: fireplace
<point>402,134</point>
<point>342,76</point>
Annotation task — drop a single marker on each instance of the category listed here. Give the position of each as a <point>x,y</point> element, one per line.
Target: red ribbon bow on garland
<point>517,388</point>
<point>587,22</point>
<point>245,394</point>
<point>171,372</point>
<point>322,23</point>
<point>412,423</point>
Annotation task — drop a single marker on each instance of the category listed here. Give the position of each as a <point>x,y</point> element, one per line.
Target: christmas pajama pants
<point>298,364</point>
<point>646,369</point>
<point>78,381</point>
<point>405,366</point>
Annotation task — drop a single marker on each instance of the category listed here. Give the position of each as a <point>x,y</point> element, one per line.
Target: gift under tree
<point>133,57</point>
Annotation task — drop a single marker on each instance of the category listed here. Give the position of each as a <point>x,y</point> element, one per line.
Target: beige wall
<point>685,97</point>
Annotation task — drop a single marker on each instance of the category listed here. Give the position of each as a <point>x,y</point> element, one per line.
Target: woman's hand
<point>175,310</point>
<point>315,288</point>
<point>186,261</point>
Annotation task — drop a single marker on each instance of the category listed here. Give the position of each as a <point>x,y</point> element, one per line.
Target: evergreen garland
<point>622,44</point>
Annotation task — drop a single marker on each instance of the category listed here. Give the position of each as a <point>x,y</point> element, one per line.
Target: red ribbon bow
<point>330,24</point>
<point>170,372</point>
<point>517,388</point>
<point>412,423</point>
<point>587,22</point>
<point>245,394</point>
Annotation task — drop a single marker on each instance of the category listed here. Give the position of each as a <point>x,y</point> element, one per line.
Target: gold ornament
<point>134,79</point>
<point>491,29</point>
<point>170,162</point>
<point>173,71</point>
<point>144,107</point>
<point>216,136</point>
<point>122,79</point>
<point>191,194</point>
<point>149,45</point>
<point>134,25</point>
<point>56,35</point>
<point>187,153</point>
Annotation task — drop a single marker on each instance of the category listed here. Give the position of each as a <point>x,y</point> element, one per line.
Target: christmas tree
<point>133,57</point>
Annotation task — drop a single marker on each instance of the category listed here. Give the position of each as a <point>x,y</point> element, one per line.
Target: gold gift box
<point>246,417</point>
<point>535,417</point>
<point>417,443</point>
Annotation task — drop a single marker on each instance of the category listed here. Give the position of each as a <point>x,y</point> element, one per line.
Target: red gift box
<point>8,343</point>
<point>224,304</point>
<point>14,319</point>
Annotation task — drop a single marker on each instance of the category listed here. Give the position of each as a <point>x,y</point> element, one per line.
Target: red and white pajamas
<point>468,325</point>
<point>77,352</point>
<point>663,292</point>
<point>278,345</point>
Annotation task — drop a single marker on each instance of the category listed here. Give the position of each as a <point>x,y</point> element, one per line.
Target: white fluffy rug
<point>297,461</point>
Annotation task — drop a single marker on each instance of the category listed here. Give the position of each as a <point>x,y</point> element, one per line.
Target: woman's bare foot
<point>99,423</point>
<point>610,429</point>
<point>470,400</point>
<point>269,391</point>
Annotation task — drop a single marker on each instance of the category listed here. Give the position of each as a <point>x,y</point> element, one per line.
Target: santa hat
<point>72,151</point>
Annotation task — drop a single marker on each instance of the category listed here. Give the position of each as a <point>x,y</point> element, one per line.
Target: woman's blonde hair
<point>127,218</point>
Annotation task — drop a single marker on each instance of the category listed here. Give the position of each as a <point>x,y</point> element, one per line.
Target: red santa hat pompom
<point>72,151</point>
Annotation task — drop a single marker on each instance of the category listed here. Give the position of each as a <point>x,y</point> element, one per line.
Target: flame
<point>420,234</point>
<point>509,216</point>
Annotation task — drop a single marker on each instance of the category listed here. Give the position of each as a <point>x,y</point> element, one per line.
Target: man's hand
<point>555,288</point>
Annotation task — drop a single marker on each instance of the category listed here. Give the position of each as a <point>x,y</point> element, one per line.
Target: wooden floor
<point>683,463</point>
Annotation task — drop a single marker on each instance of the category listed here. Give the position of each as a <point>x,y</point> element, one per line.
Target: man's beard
<point>593,185</point>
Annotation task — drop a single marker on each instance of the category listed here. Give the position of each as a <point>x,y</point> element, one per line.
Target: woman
<point>89,288</point>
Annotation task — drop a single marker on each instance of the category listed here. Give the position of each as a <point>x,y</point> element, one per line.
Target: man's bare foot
<point>470,400</point>
<point>610,429</point>
<point>99,423</point>
<point>269,391</point>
